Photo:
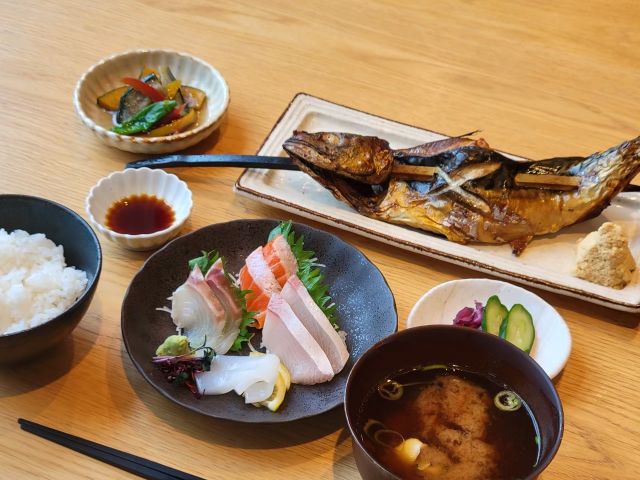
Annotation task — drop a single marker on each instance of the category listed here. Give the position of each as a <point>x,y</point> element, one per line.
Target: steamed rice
<point>35,284</point>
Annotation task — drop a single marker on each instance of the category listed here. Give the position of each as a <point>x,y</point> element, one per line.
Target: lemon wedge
<point>286,376</point>
<point>283,383</point>
<point>277,397</point>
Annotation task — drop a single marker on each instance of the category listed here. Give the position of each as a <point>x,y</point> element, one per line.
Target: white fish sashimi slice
<point>196,309</point>
<point>197,281</point>
<point>190,313</point>
<point>219,283</point>
<point>252,376</point>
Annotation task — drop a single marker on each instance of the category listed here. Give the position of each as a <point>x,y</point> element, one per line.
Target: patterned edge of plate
<point>406,245</point>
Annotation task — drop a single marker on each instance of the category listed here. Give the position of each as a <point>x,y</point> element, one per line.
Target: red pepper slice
<point>144,88</point>
<point>174,114</point>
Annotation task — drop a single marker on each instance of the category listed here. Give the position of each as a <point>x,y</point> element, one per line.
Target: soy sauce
<point>139,214</point>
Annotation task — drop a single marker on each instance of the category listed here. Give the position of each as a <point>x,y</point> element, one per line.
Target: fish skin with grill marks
<point>473,197</point>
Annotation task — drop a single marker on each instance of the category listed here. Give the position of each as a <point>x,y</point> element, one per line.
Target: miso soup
<point>444,423</point>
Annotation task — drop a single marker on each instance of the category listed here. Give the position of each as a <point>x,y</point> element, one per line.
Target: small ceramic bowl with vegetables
<point>151,101</point>
<point>501,309</point>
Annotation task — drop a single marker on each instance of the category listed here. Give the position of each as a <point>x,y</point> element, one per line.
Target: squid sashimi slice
<point>286,336</point>
<point>219,283</point>
<point>257,277</point>
<point>253,376</point>
<point>258,392</point>
<point>280,259</point>
<point>316,322</point>
<point>197,311</point>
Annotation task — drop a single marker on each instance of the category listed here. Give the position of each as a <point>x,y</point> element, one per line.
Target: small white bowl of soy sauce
<point>415,400</point>
<point>139,209</point>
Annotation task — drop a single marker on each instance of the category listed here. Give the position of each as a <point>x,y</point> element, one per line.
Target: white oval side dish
<point>107,74</point>
<point>440,305</point>
<point>119,185</point>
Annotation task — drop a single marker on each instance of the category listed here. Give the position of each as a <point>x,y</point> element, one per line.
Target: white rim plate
<point>546,263</point>
<point>439,306</point>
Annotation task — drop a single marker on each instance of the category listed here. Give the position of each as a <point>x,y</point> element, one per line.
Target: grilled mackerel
<point>473,196</point>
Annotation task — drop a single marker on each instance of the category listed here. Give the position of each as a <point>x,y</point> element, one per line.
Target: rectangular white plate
<point>546,263</point>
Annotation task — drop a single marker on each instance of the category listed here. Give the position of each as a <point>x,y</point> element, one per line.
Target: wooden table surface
<point>553,79</point>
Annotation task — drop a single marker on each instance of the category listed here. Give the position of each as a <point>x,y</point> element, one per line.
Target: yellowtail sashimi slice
<point>316,322</point>
<point>286,336</point>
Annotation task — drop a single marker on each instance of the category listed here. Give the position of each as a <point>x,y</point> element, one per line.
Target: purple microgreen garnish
<point>469,317</point>
<point>181,369</point>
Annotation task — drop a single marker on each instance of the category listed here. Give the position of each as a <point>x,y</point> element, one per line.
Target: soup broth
<point>446,423</point>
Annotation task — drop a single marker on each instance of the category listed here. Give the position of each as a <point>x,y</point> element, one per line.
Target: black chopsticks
<point>125,461</point>
<point>216,160</point>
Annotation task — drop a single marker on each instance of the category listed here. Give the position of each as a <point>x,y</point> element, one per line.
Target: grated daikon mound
<point>35,283</point>
<point>604,257</point>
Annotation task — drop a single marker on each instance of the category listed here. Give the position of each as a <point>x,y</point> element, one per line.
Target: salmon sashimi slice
<point>280,258</point>
<point>257,300</point>
<point>257,277</point>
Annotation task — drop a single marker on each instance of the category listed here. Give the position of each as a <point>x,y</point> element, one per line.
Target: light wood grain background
<point>539,78</point>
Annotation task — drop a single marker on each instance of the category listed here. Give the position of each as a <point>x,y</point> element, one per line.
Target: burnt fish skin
<point>473,196</point>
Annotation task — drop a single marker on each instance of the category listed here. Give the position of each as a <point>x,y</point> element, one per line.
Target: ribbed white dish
<point>439,306</point>
<point>122,184</point>
<point>107,74</point>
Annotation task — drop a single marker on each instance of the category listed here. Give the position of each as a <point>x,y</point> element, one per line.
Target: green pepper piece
<point>145,118</point>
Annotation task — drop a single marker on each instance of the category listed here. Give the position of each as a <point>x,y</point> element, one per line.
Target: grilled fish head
<point>364,159</point>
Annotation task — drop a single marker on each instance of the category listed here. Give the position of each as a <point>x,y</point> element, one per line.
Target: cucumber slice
<point>503,327</point>
<point>493,316</point>
<point>518,328</point>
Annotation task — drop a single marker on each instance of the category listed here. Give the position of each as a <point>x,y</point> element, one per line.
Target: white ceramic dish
<point>119,185</point>
<point>439,306</point>
<point>546,263</point>
<point>106,74</point>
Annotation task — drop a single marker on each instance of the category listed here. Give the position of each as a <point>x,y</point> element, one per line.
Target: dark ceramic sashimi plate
<point>366,311</point>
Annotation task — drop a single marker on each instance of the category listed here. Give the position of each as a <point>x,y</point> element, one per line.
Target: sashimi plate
<point>366,311</point>
<point>546,263</point>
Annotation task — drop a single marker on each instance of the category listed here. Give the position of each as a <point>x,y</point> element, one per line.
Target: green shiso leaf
<point>308,271</point>
<point>205,262</point>
<point>247,317</point>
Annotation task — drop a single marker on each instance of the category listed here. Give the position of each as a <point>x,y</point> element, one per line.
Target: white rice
<point>35,284</point>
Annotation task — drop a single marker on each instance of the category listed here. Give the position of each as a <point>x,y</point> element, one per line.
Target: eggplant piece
<point>167,78</point>
<point>133,101</point>
<point>194,96</point>
<point>148,71</point>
